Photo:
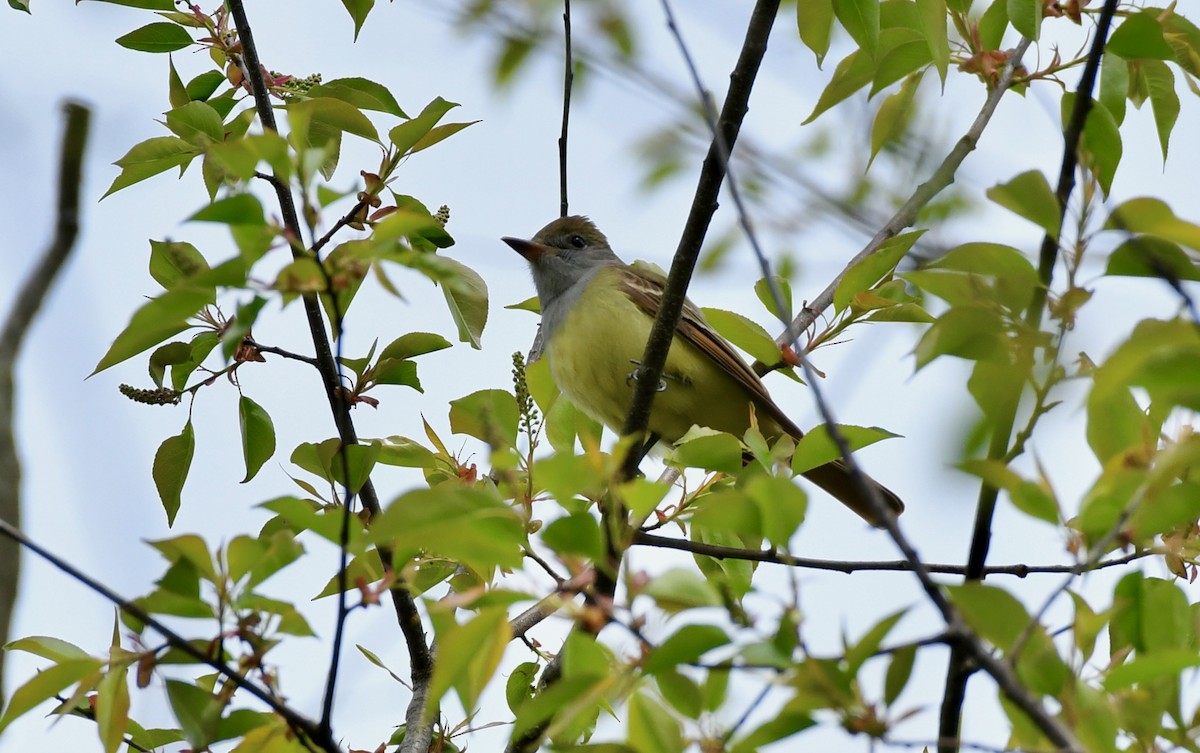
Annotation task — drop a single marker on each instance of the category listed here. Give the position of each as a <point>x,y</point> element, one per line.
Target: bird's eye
<point>577,241</point>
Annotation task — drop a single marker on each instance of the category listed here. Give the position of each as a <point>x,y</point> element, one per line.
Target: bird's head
<point>563,253</point>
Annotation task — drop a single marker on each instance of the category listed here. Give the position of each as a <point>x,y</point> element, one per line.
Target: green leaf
<point>197,710</point>
<point>651,728</point>
<point>1101,140</point>
<point>239,209</point>
<point>156,37</point>
<point>860,18</point>
<point>681,692</point>
<point>745,334</point>
<point>762,289</point>
<point>678,589</point>
<point>710,450</point>
<point>975,333</point>
<point>902,51</point>
<point>894,115</point>
<point>55,649</point>
<point>189,549</point>
<point>866,647</point>
<point>1026,17</point>
<point>171,354</point>
<point>1012,277</point>
<point>468,656</point>
<point>1150,667</point>
<point>360,92</point>
<point>176,92</point>
<point>1140,36</point>
<point>1153,216</point>
<point>1030,498</point>
<point>870,270</point>
<point>414,344</point>
<point>438,134</point>
<point>577,535</point>
<point>814,20</point>
<point>992,25</point>
<point>851,74</point>
<point>112,708</point>
<point>149,158</point>
<point>465,524</point>
<point>258,435</point>
<point>262,557</point>
<point>1029,195</point>
<point>47,684</point>
<point>1114,84</point>
<point>898,672</point>
<point>488,415</point>
<point>992,612</point>
<point>685,646</point>
<point>197,123</point>
<point>1163,100</point>
<point>781,507</point>
<point>466,295</point>
<point>171,464</point>
<point>172,262</point>
<point>816,448</point>
<point>313,120</point>
<point>202,87</point>
<point>406,135</point>
<point>358,10</point>
<point>1150,256</point>
<point>402,451</point>
<point>932,17</point>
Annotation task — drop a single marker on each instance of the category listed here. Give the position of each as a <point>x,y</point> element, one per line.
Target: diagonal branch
<point>299,723</point>
<point>906,216</point>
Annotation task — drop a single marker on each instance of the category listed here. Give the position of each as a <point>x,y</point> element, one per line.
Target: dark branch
<point>299,723</point>
<point>568,81</point>
<point>850,566</point>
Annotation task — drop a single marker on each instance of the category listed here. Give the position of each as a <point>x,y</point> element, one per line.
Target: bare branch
<point>568,80</point>
<point>25,307</point>
<point>851,566</point>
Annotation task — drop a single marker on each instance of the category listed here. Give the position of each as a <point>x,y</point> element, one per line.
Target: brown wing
<point>645,288</point>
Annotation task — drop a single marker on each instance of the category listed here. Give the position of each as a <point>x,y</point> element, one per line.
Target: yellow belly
<point>596,349</point>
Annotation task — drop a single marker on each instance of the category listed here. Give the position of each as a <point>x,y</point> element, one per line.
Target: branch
<point>299,723</point>
<point>409,619</point>
<point>771,556</point>
<point>29,300</point>
<point>568,80</point>
<point>942,177</point>
<point>958,670</point>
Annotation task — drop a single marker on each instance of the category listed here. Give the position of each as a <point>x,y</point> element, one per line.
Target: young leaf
<point>488,415</point>
<point>406,135</point>
<point>866,272</point>
<point>1030,196</point>
<point>860,18</point>
<point>815,22</point>
<point>360,92</point>
<point>466,295</point>
<point>816,448</point>
<point>932,17</point>
<point>745,333</point>
<point>171,464</point>
<point>1026,17</point>
<point>112,708</point>
<point>258,435</point>
<point>45,685</point>
<point>156,37</point>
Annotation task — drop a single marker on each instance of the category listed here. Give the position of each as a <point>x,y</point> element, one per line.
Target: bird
<point>597,312</point>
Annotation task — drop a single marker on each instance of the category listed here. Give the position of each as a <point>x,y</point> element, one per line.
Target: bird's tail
<point>837,479</point>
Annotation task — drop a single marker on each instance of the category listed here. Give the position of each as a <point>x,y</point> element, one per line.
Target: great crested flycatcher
<point>597,313</point>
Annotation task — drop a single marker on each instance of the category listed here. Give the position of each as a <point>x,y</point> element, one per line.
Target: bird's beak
<point>529,249</point>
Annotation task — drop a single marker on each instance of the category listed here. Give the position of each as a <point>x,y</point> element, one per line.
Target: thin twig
<point>299,723</point>
<point>29,299</point>
<point>850,566</point>
<point>958,670</point>
<point>568,81</point>
<point>280,352</point>
<point>942,177</point>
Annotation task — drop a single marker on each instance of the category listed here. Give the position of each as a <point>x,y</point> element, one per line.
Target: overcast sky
<point>87,451</point>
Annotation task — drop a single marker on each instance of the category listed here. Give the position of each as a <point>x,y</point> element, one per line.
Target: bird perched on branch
<point>597,313</point>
